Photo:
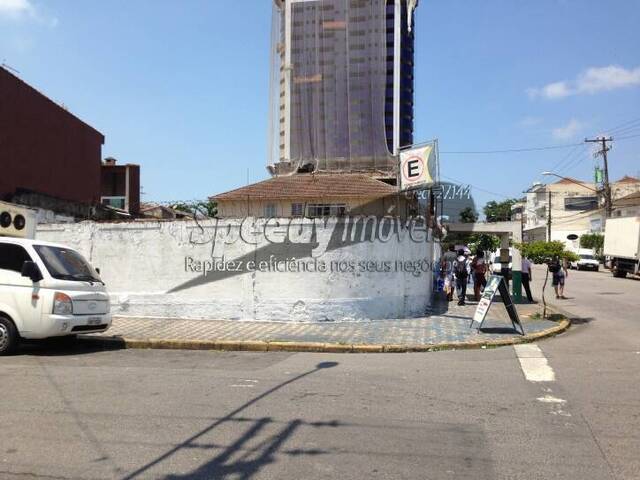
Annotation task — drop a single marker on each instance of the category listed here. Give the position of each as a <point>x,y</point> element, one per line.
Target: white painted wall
<point>141,262</point>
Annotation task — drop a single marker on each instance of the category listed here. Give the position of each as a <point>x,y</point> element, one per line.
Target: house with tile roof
<point>577,208</point>
<point>314,195</point>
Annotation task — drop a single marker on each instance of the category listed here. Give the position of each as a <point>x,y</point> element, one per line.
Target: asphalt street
<point>126,414</point>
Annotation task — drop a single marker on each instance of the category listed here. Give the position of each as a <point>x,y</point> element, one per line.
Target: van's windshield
<point>66,264</point>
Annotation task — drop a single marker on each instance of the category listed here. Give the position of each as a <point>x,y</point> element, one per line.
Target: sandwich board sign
<point>495,284</point>
<point>416,167</point>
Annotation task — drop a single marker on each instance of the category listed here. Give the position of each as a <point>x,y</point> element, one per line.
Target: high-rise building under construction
<point>341,85</point>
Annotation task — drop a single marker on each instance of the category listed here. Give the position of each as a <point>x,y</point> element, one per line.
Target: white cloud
<point>596,80</point>
<point>591,81</point>
<point>16,8</point>
<point>568,131</point>
<point>551,91</point>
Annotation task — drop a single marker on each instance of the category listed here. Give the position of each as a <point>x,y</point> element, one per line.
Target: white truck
<point>46,289</point>
<point>622,245</point>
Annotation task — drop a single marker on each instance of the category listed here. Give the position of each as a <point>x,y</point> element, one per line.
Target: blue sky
<point>182,87</point>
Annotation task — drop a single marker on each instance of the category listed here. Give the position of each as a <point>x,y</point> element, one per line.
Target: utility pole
<point>608,204</point>
<point>549,217</point>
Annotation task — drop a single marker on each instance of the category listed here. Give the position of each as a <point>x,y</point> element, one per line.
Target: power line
<point>570,159</point>
<point>577,155</point>
<point>627,130</point>
<point>577,160</point>
<point>478,188</point>
<point>628,127</point>
<point>513,150</point>
<point>625,124</point>
<point>625,138</point>
<point>570,219</point>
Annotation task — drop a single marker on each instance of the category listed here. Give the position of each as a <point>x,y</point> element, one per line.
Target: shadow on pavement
<point>253,458</point>
<point>503,330</point>
<point>581,320</point>
<point>64,346</point>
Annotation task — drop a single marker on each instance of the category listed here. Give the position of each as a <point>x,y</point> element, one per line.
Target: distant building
<point>518,210</point>
<point>313,195</point>
<point>342,85</point>
<point>44,148</point>
<point>162,212</point>
<point>120,186</point>
<point>576,208</point>
<point>451,199</point>
<point>627,206</point>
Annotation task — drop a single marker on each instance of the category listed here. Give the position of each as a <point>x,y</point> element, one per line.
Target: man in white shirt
<point>526,277</point>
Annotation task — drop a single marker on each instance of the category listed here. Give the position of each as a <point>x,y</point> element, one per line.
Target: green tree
<point>594,241</point>
<point>483,241</point>
<point>499,211</point>
<point>545,252</point>
<point>208,208</point>
<point>468,215</point>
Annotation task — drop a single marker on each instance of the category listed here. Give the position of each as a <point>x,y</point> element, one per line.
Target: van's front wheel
<point>8,336</point>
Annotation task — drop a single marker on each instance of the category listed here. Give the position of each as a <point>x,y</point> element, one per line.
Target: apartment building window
<point>581,203</point>
<point>270,210</point>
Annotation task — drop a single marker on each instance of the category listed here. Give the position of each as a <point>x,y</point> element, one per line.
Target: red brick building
<point>44,148</point>
<point>120,186</point>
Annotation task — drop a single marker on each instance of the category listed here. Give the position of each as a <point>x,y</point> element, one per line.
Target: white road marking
<point>551,399</point>
<point>533,363</point>
<point>250,383</point>
<point>556,403</point>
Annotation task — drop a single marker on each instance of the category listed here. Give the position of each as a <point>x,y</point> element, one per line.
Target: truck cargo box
<point>622,237</point>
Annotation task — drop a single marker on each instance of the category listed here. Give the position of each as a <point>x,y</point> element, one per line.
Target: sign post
<point>496,284</point>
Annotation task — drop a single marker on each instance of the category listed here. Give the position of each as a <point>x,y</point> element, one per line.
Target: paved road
<point>596,295</point>
<point>448,415</point>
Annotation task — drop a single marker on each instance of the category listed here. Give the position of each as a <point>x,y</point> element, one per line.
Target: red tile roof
<point>569,180</point>
<point>628,179</point>
<point>311,186</point>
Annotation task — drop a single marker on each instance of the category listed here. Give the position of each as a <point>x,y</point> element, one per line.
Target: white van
<point>496,264</point>
<point>587,260</point>
<point>48,290</point>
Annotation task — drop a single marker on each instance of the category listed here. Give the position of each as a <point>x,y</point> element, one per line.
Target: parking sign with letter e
<point>415,167</point>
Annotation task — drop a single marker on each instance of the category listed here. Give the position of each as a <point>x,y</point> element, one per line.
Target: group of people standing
<point>457,269</point>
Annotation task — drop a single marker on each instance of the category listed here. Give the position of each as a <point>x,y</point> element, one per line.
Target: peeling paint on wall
<point>322,272</point>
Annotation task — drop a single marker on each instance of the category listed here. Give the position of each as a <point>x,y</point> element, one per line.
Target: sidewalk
<point>447,328</point>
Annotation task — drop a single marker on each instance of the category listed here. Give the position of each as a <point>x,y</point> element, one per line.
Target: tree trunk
<point>544,303</point>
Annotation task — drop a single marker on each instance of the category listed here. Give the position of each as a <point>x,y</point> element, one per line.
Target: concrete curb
<point>279,346</point>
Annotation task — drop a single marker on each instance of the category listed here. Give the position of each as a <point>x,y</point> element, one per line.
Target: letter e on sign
<point>413,168</point>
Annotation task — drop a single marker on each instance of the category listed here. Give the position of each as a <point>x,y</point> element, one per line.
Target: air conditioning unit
<point>17,221</point>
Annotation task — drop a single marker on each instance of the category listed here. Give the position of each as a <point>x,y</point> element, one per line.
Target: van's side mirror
<point>31,270</point>
<point>97,270</point>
